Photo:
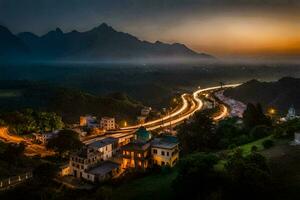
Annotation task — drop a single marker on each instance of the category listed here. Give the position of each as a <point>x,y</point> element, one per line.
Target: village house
<point>137,154</point>
<point>108,123</point>
<point>45,137</point>
<point>165,151</point>
<point>88,121</point>
<point>107,147</point>
<point>88,164</point>
<point>144,152</point>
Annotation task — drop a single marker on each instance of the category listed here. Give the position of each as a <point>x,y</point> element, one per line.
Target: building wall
<point>163,157</point>
<point>107,151</point>
<point>136,159</point>
<point>108,123</point>
<point>79,165</point>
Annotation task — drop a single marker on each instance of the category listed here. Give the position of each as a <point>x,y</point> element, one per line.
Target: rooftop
<point>103,143</point>
<point>167,142</point>
<point>104,168</point>
<point>107,118</point>
<point>137,145</point>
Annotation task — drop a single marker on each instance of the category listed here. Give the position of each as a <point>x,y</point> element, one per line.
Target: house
<point>165,150</point>
<point>83,160</point>
<point>107,147</point>
<point>108,123</point>
<point>87,164</point>
<point>103,172</point>
<point>89,121</point>
<point>137,154</point>
<point>45,137</point>
<point>146,111</point>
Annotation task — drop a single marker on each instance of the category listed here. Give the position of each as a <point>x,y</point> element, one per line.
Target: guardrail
<point>10,182</point>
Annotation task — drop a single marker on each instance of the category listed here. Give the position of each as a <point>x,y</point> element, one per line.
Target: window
<point>154,151</point>
<point>162,163</point>
<point>162,153</point>
<point>167,153</point>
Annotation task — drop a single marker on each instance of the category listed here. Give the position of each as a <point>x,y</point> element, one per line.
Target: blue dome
<point>143,135</point>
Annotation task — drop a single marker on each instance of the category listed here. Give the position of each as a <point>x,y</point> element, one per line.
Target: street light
<point>272,111</point>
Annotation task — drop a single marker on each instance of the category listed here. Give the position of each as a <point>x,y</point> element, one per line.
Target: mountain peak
<point>103,27</point>
<point>3,29</point>
<point>58,31</point>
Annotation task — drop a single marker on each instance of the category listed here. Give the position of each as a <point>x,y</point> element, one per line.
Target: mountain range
<point>281,94</point>
<point>100,43</point>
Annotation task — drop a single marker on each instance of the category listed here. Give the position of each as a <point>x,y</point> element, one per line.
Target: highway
<point>191,103</point>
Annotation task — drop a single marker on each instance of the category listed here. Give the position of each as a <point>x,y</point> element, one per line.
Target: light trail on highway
<point>177,117</point>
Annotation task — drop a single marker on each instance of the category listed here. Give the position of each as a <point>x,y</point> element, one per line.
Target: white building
<point>291,113</point>
<point>146,111</point>
<point>87,164</point>
<point>107,147</point>
<point>108,123</point>
<point>165,151</point>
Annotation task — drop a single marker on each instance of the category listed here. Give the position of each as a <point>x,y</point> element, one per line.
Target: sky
<point>220,27</point>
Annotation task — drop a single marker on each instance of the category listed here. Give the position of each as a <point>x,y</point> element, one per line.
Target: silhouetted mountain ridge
<point>280,94</point>
<point>100,43</point>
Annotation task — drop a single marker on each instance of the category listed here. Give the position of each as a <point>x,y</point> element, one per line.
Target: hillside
<point>70,104</point>
<point>281,94</point>
<point>11,44</point>
<point>100,43</point>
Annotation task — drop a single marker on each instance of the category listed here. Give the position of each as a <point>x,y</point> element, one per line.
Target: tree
<point>196,177</point>
<point>249,176</point>
<point>254,116</point>
<point>67,140</point>
<point>268,144</point>
<point>260,131</point>
<point>198,135</point>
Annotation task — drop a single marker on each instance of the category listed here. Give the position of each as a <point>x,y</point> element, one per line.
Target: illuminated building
<point>107,147</point>
<point>87,164</point>
<point>108,123</point>
<point>137,154</point>
<point>165,151</point>
<point>144,152</point>
<point>89,121</point>
<point>146,111</point>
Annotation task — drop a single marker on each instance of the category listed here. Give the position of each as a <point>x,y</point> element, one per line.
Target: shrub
<point>268,144</point>
<point>254,148</point>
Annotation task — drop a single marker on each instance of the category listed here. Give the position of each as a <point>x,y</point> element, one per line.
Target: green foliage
<point>260,131</point>
<point>287,129</point>
<point>29,121</point>
<point>249,175</point>
<point>198,135</point>
<point>254,116</point>
<point>268,144</point>
<point>254,148</point>
<point>197,177</point>
<point>66,141</point>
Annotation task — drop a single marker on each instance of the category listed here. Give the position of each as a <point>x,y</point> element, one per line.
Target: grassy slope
<point>156,186</point>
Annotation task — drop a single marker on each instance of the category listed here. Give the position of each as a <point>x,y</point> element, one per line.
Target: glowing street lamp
<point>272,111</point>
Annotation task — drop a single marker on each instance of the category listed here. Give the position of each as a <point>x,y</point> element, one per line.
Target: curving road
<point>190,105</point>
